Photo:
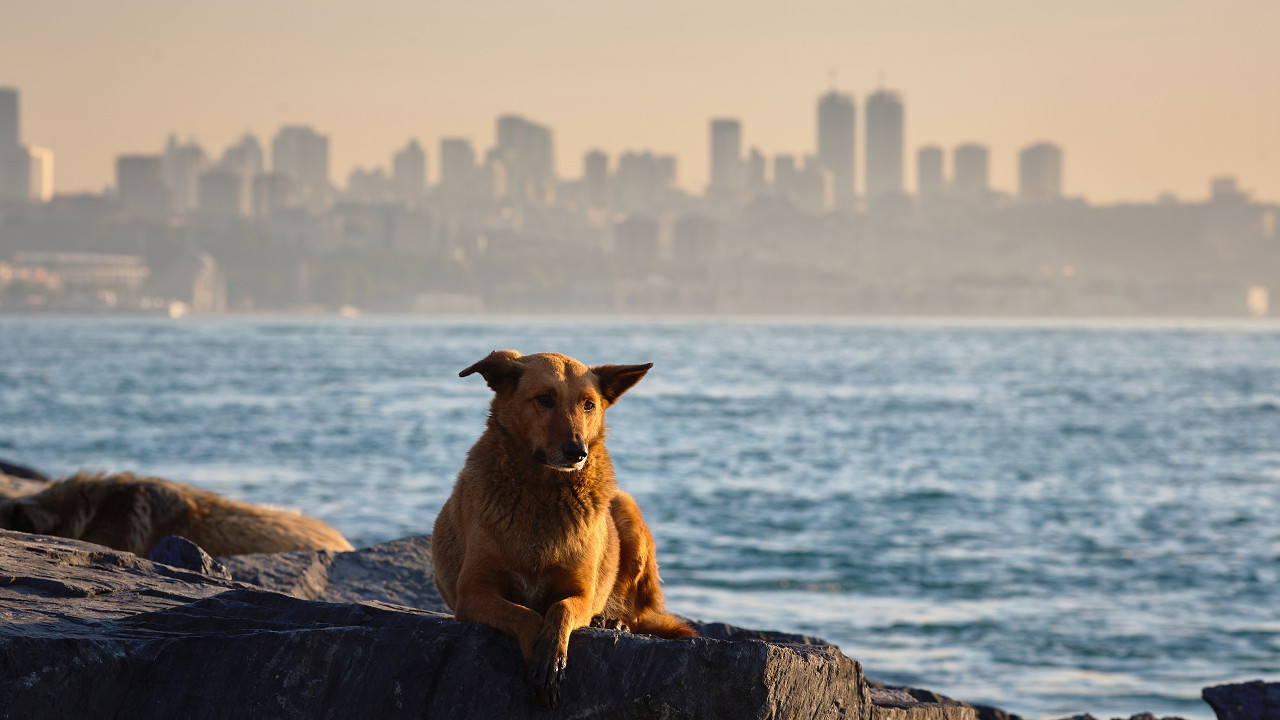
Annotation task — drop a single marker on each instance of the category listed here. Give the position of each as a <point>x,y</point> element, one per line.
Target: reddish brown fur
<point>533,543</point>
<point>133,513</point>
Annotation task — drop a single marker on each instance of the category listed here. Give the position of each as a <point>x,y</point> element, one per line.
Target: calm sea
<point>1054,519</point>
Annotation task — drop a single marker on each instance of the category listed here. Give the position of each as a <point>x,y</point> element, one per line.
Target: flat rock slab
<point>1255,700</point>
<point>90,632</point>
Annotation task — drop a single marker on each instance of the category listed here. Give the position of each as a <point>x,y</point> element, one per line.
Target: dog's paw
<point>547,669</point>
<point>606,623</point>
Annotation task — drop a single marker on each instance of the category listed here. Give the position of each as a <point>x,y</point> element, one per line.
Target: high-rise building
<point>640,181</point>
<point>458,180</point>
<point>527,152</point>
<point>786,175</point>
<point>15,182</point>
<point>595,177</point>
<point>141,187</point>
<point>9,134</point>
<point>1040,173</point>
<point>300,152</point>
<point>220,193</point>
<point>931,182</point>
<point>970,167</point>
<point>727,172</point>
<point>409,174</point>
<point>182,166</point>
<point>886,149</point>
<point>41,173</point>
<point>836,132</point>
<point>756,166</point>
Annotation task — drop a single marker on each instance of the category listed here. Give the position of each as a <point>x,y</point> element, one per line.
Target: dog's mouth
<point>562,464</point>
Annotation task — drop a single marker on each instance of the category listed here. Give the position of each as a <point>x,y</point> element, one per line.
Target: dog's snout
<point>573,450</point>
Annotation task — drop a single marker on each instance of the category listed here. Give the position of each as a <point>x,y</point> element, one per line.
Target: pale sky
<point>1145,96</point>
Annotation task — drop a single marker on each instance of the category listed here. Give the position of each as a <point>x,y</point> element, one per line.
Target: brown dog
<point>132,513</point>
<point>536,539</point>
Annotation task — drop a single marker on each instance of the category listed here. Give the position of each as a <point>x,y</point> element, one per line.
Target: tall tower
<point>301,153</point>
<point>1040,173</point>
<point>14,159</point>
<point>886,147</point>
<point>931,182</point>
<point>836,130</point>
<point>728,174</point>
<point>9,134</point>
<point>409,174</point>
<point>971,172</point>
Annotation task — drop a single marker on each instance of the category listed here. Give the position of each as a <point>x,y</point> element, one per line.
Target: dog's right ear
<point>499,369</point>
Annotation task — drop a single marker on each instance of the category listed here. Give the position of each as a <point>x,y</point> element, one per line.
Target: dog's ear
<point>499,369</point>
<point>617,379</point>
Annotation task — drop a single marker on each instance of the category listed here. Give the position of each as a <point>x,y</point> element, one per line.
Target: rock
<point>182,553</point>
<point>21,471</point>
<point>90,632</point>
<point>929,700</point>
<point>1255,700</point>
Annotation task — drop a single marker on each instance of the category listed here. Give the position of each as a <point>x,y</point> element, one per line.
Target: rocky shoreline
<point>91,632</point>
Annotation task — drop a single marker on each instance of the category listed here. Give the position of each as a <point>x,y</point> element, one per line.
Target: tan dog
<point>132,513</point>
<point>536,539</point>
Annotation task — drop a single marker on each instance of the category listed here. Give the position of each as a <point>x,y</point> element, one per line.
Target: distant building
<point>836,132</point>
<point>814,187</point>
<point>527,152</point>
<point>9,118</point>
<point>971,177</point>
<point>14,159</point>
<point>409,174</point>
<point>182,166</point>
<point>1040,173</point>
<point>756,167</point>
<point>931,183</point>
<point>636,238</point>
<point>299,152</point>
<point>220,194</point>
<point>886,148</point>
<point>245,159</point>
<point>457,169</point>
<point>595,178</point>
<point>141,186</point>
<point>695,240</point>
<point>786,175</point>
<point>274,193</point>
<point>640,181</point>
<point>727,172</point>
<point>41,173</point>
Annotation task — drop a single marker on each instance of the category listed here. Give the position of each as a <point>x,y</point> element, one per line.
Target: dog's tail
<point>663,625</point>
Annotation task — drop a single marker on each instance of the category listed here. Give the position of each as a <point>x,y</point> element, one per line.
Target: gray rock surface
<point>91,632</point>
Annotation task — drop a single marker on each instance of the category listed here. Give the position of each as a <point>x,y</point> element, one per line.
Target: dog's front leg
<point>480,599</point>
<point>551,651</point>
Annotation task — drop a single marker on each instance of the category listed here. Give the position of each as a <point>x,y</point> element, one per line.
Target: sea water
<point>1050,518</point>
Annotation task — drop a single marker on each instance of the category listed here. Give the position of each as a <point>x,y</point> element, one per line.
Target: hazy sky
<point>1144,95</point>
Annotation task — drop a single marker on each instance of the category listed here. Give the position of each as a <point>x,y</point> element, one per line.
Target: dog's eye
<point>588,406</point>
<point>546,401</point>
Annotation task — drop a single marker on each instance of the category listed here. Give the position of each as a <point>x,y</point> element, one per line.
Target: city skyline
<point>1145,100</point>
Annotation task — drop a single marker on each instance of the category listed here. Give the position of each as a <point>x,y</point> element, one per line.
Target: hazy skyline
<point>1144,96</point>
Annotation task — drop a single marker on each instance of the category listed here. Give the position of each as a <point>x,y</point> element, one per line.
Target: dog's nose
<point>573,450</point>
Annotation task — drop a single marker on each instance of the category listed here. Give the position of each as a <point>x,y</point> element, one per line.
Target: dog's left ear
<point>29,517</point>
<point>617,379</point>
<point>499,370</point>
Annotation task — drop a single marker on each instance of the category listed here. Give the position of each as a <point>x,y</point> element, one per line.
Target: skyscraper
<point>595,177</point>
<point>301,153</point>
<point>931,183</point>
<point>1040,173</point>
<point>41,174</point>
<point>409,174</point>
<point>14,159</point>
<point>9,135</point>
<point>141,187</point>
<point>886,148</point>
<point>457,170</point>
<point>526,151</point>
<point>756,171</point>
<point>728,176</point>
<point>836,130</point>
<point>971,172</point>
<point>182,166</point>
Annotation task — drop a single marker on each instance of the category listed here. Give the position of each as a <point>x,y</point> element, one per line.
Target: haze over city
<point>1146,98</point>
